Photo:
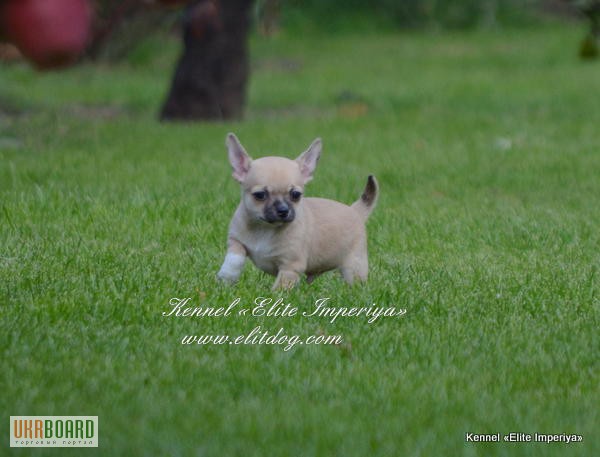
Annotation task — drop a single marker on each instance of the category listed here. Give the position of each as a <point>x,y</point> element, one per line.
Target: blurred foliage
<point>447,14</point>
<point>134,29</point>
<point>122,26</point>
<point>590,45</point>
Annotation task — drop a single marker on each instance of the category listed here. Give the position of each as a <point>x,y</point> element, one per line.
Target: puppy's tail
<point>367,201</point>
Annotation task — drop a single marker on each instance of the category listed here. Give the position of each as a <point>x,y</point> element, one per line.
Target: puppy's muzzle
<point>282,209</point>
<point>279,212</point>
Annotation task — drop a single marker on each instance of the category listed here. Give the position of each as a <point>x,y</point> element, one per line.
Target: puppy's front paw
<point>232,268</point>
<point>286,279</point>
<point>226,278</point>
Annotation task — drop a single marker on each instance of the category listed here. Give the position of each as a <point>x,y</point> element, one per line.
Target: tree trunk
<point>211,75</point>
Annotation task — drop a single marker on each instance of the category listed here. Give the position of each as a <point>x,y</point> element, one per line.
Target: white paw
<point>232,268</point>
<point>227,277</point>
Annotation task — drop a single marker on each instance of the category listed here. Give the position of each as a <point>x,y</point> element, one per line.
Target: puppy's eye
<point>295,195</point>
<point>261,195</point>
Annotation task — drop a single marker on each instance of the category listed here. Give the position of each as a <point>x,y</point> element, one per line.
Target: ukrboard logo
<point>53,431</point>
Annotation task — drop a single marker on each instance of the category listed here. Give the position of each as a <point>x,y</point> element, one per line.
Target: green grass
<point>486,147</point>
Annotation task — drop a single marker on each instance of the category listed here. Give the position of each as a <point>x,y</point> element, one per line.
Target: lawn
<point>487,150</point>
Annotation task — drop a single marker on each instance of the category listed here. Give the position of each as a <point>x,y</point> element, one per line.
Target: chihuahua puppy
<point>286,234</point>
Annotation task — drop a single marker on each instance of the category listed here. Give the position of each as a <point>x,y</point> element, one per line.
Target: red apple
<point>50,33</point>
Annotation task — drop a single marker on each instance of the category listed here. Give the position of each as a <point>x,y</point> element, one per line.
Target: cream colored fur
<point>323,235</point>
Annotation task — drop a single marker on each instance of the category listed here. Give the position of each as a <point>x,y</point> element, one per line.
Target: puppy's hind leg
<point>286,279</point>
<point>356,266</point>
<point>352,273</point>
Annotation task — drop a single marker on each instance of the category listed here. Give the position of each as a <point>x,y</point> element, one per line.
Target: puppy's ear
<point>238,157</point>
<point>307,161</point>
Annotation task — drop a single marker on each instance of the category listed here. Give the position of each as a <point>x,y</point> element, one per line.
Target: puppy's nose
<point>282,209</point>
